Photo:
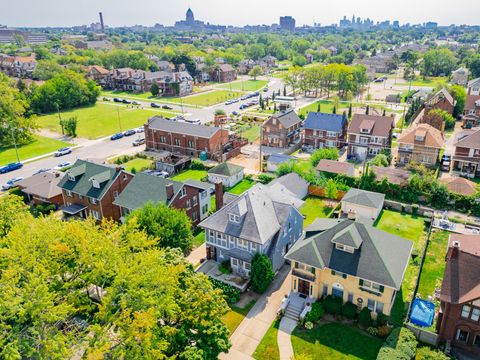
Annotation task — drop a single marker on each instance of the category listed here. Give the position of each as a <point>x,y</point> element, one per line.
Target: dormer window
<point>419,137</point>
<point>345,248</point>
<point>71,177</point>
<point>365,131</point>
<point>233,218</point>
<point>95,184</point>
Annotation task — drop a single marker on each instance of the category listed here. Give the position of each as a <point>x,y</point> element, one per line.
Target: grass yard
<point>146,96</point>
<point>39,146</point>
<point>101,119</point>
<point>428,82</point>
<point>241,187</point>
<point>251,134</point>
<point>335,341</point>
<point>326,106</point>
<point>191,174</point>
<point>235,316</point>
<point>268,347</point>
<point>138,164</point>
<point>313,208</point>
<point>434,264</point>
<point>199,239</point>
<point>207,98</point>
<point>247,85</point>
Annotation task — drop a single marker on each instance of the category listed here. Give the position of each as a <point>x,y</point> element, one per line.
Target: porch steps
<point>293,311</point>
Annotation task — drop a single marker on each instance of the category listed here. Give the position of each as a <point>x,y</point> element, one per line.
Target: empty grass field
<point>245,85</point>
<point>137,165</point>
<point>191,174</point>
<point>207,98</point>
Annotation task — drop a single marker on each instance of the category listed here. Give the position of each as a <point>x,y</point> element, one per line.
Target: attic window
<point>71,177</point>
<point>95,184</point>
<point>345,248</point>
<point>419,137</point>
<point>365,131</point>
<point>233,218</point>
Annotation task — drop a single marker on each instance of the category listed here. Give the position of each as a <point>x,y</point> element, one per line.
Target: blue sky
<point>241,12</point>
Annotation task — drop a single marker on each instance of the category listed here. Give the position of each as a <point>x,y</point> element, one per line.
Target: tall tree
<point>255,72</point>
<point>261,273</point>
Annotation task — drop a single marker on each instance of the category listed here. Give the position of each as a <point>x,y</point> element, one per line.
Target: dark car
<point>10,167</point>
<point>129,132</point>
<point>167,107</point>
<point>125,101</point>
<point>117,100</point>
<point>154,105</point>
<point>116,136</point>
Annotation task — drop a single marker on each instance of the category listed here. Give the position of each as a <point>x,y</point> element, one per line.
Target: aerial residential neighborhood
<point>193,181</point>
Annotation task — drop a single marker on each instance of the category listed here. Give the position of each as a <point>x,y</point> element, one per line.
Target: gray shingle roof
<point>226,169</point>
<point>364,198</point>
<point>160,123</point>
<point>199,184</point>
<point>325,122</point>
<point>381,257</point>
<point>287,118</point>
<point>294,183</point>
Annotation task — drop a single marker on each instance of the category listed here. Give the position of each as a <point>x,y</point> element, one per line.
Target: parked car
<point>138,142</point>
<point>167,107</point>
<point>193,121</point>
<point>135,103</point>
<point>63,151</point>
<point>154,105</point>
<point>235,113</point>
<point>125,101</point>
<point>10,167</point>
<point>140,129</point>
<point>446,162</point>
<point>11,183</point>
<point>129,132</point>
<point>116,136</point>
<point>265,89</point>
<point>62,165</point>
<point>157,173</point>
<point>42,170</point>
<point>117,100</point>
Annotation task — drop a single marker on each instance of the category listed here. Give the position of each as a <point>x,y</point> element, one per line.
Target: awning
<point>73,209</point>
<point>239,254</point>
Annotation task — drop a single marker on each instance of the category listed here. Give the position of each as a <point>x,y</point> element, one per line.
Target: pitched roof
<point>226,67</point>
<point>336,167</point>
<point>198,184</point>
<point>261,217</point>
<point>381,124</point>
<point>44,185</point>
<point>84,172</point>
<point>460,185</point>
<point>440,95</point>
<point>432,137</point>
<point>473,82</point>
<point>471,140</point>
<point>462,271</point>
<point>99,69</point>
<point>394,176</point>
<point>160,123</point>
<point>381,257</point>
<point>287,118</point>
<point>472,102</point>
<point>364,198</point>
<point>226,169</point>
<point>295,184</point>
<point>325,122</point>
<point>144,188</point>
<point>279,158</point>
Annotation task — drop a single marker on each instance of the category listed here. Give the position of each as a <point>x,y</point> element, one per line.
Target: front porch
<point>211,269</point>
<point>465,168</point>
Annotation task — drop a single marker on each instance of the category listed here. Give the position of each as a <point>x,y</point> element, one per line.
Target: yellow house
<point>355,261</point>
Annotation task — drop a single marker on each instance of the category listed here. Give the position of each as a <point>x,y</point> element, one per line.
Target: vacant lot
<point>137,165</point>
<point>101,119</point>
<point>207,98</point>
<point>246,85</point>
<point>39,146</point>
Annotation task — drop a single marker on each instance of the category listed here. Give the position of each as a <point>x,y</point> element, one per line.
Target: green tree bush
<point>261,273</point>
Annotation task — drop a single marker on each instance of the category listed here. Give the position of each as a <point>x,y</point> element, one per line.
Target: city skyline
<point>55,13</point>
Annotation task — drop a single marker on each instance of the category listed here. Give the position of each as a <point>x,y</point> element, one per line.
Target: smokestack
<point>219,195</point>
<point>101,21</point>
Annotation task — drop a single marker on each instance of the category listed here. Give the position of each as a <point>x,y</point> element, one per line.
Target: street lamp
<point>5,126</point>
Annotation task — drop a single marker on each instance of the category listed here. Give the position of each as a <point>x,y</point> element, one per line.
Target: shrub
<point>261,273</point>
<point>426,353</point>
<point>44,209</point>
<point>365,317</point>
<point>404,341</point>
<point>349,310</point>
<point>225,267</point>
<point>330,154</point>
<point>372,331</point>
<point>333,304</point>
<point>308,325</point>
<point>231,294</point>
<point>265,178</point>
<point>133,170</point>
<point>382,319</point>
<point>316,313</point>
<point>384,330</point>
<point>388,353</point>
<point>197,165</point>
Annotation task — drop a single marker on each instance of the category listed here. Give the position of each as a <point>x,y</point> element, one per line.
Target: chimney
<point>101,21</point>
<point>169,190</point>
<point>452,252</point>
<point>219,195</point>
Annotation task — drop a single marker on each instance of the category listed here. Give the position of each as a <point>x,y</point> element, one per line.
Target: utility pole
<point>119,121</point>
<point>60,118</point>
<point>5,126</point>
<point>261,144</point>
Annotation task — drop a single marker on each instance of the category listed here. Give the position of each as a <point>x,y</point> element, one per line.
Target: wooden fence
<point>319,191</point>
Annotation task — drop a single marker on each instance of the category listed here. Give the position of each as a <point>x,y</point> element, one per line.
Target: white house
<point>361,204</point>
<point>228,174</point>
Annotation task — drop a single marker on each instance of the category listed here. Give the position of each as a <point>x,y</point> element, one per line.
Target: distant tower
<point>102,26</point>
<point>353,19</point>
<point>190,18</point>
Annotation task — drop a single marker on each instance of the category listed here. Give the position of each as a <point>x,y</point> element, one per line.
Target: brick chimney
<point>219,195</point>
<point>452,252</point>
<point>169,190</point>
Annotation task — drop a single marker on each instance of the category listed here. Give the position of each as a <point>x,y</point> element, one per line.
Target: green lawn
<point>434,265</point>
<point>428,82</point>
<point>138,164</point>
<point>241,187</point>
<point>147,96</point>
<point>326,106</point>
<point>191,174</point>
<point>251,133</point>
<point>335,341</point>
<point>235,316</point>
<point>199,239</point>
<point>208,98</point>
<point>268,347</point>
<point>101,119</point>
<point>313,208</point>
<point>39,146</point>
<point>247,85</point>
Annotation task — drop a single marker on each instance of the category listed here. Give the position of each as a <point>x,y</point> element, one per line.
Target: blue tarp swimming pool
<point>423,313</point>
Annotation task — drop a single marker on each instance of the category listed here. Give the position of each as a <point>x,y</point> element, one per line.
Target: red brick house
<point>89,189</point>
<point>459,316</point>
<point>99,74</point>
<point>466,157</point>
<point>223,73</point>
<point>471,113</point>
<point>282,129</point>
<point>321,130</point>
<point>192,140</point>
<point>441,100</point>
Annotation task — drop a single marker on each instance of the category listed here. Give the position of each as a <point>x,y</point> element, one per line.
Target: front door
<point>303,287</point>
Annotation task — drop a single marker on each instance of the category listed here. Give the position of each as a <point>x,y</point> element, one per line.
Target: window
<point>191,144</point>
<point>189,204</point>
<point>344,248</point>
<point>253,247</point>
<point>246,265</point>
<point>379,308</point>
<point>462,335</point>
<point>466,311</point>
<point>338,273</point>
<point>476,341</point>
<point>234,262</point>
<point>93,201</point>
<point>350,297</point>
<point>233,218</point>
<point>475,314</point>
<point>177,142</point>
<point>204,208</point>
<point>194,216</point>
<point>325,290</point>
<point>95,214</point>
<point>183,192</point>
<point>365,131</point>
<point>163,139</point>
<point>371,305</point>
<point>242,244</point>
<point>69,193</point>
<point>115,194</point>
<point>195,201</point>
<point>222,239</point>
<point>332,134</point>
<point>95,184</point>
<point>371,285</point>
<point>71,177</point>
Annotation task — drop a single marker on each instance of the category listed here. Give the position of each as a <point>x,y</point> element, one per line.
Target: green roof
<point>144,188</point>
<point>226,169</point>
<point>84,172</point>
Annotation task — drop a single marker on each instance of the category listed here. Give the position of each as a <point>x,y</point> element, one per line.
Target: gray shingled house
<point>362,204</point>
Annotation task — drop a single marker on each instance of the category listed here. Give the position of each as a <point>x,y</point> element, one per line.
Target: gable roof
<point>473,82</point>
<point>336,167</point>
<point>381,124</point>
<point>472,102</point>
<point>460,185</point>
<point>287,118</point>
<point>160,123</point>
<point>44,185</point>
<point>225,67</point>
<point>462,270</point>
<point>381,257</point>
<point>226,169</point>
<point>144,188</point>
<point>84,172</point>
<point>433,136</point>
<point>364,198</point>
<point>279,158</point>
<point>439,96</point>
<point>472,140</point>
<point>325,122</point>
<point>295,184</point>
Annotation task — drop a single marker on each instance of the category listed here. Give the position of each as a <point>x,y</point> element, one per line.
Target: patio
<point>210,268</point>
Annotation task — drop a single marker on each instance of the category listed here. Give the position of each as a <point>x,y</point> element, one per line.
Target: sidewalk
<point>284,340</point>
<point>197,254</point>
<point>251,330</point>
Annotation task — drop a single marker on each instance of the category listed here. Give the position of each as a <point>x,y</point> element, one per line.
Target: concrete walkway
<point>251,330</point>
<point>197,254</point>
<point>284,339</point>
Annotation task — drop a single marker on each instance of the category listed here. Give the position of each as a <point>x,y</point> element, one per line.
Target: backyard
<point>39,146</point>
<point>315,207</point>
<point>242,186</point>
<point>101,119</point>
<point>137,165</point>
<point>245,85</point>
<point>335,341</point>
<point>207,98</point>
<point>191,174</point>
<point>251,133</point>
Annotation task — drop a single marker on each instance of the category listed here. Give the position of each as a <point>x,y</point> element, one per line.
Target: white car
<point>11,183</point>
<point>62,165</point>
<point>140,129</point>
<point>63,151</point>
